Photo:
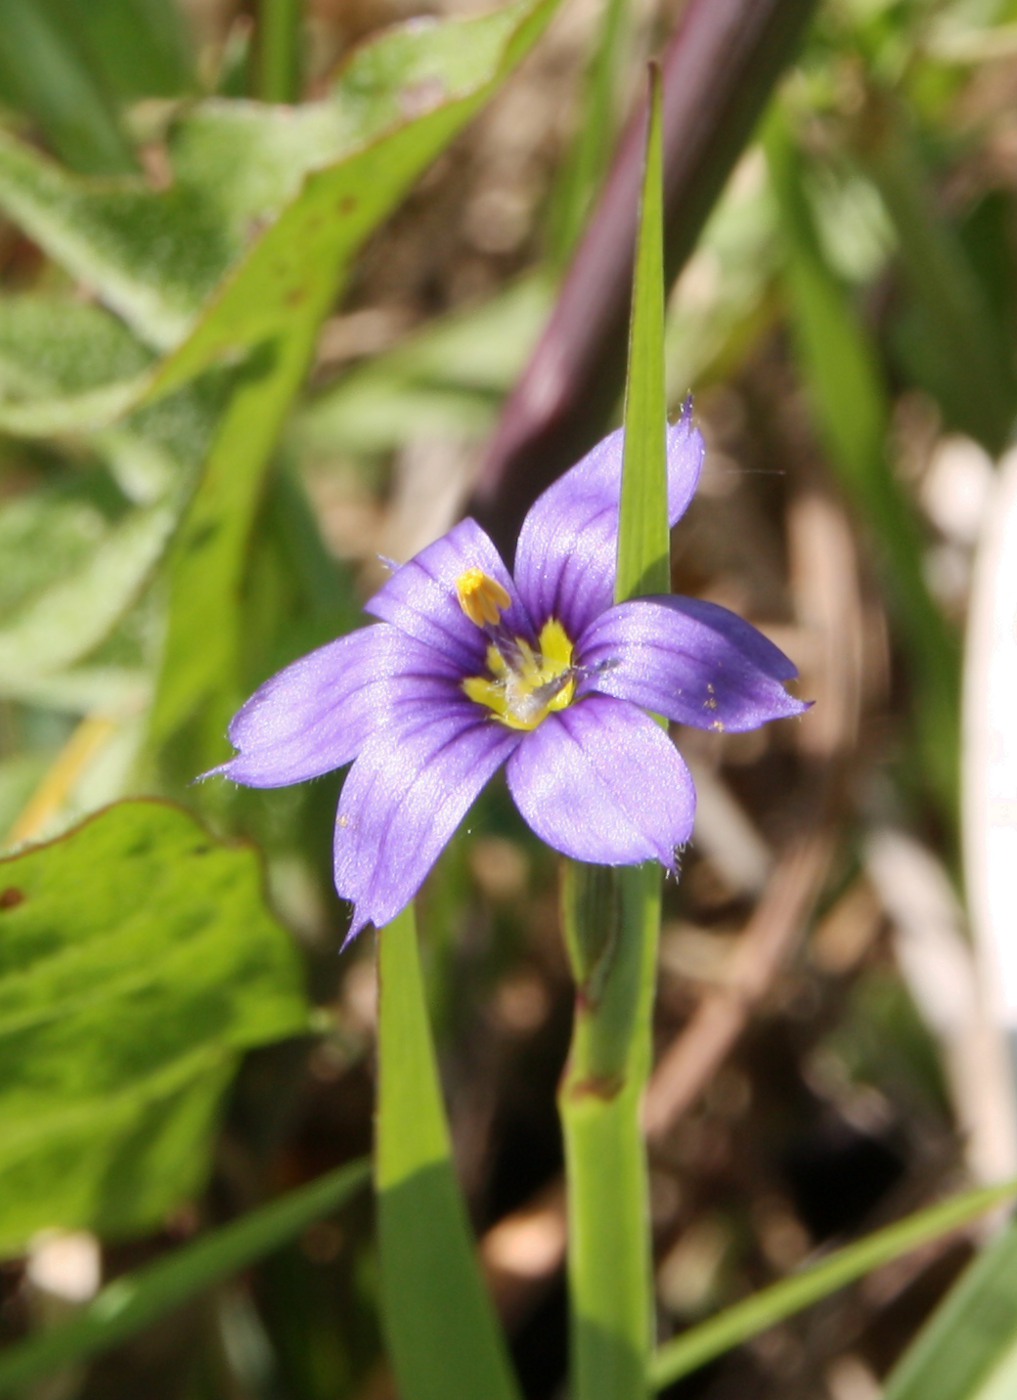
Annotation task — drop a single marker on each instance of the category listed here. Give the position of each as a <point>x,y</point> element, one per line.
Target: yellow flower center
<point>524,683</point>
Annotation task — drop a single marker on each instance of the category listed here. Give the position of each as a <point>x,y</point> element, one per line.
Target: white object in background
<point>989,755</point>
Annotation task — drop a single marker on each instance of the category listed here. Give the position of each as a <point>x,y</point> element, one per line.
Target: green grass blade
<point>969,1349</point>
<point>139,1299</point>
<point>643,532</point>
<point>595,140</point>
<point>612,924</point>
<point>852,410</point>
<point>444,1340</point>
<point>47,70</point>
<point>279,39</point>
<point>957,314</point>
<point>763,1310</point>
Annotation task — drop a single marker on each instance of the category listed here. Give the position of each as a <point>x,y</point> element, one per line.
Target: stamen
<point>525,683</point>
<point>482,598</point>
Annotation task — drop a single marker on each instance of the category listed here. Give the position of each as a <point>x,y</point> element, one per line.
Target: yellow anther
<point>481,597</point>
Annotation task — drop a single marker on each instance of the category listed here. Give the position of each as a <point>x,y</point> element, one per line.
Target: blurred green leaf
<point>137,961</point>
<point>141,46</point>
<point>48,70</point>
<point>273,307</point>
<point>969,1349</point>
<point>737,1324</point>
<point>280,41</point>
<point>155,256</point>
<point>55,347</point>
<point>852,409</point>
<point>960,335</point>
<point>134,1301</point>
<point>74,564</point>
<point>448,380</point>
<point>594,142</point>
<point>441,1329</point>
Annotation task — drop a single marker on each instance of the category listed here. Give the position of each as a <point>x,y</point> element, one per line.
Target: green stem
<point>279,28</point>
<point>443,1336</point>
<point>612,918</point>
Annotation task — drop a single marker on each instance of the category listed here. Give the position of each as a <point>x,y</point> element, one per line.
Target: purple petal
<point>602,782</point>
<point>566,556</point>
<point>421,600</point>
<point>689,660</point>
<point>404,797</point>
<point>318,713</point>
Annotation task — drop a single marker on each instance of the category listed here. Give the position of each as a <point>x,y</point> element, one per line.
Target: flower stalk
<point>612,921</point>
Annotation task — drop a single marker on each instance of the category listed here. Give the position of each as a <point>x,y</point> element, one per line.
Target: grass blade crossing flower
<point>468,668</point>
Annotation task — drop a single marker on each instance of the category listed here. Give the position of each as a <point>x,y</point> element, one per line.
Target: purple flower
<point>468,669</point>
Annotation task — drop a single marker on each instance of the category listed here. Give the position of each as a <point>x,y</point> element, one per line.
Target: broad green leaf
<point>137,961</point>
<point>56,347</point>
<point>612,920</point>
<point>969,1349</point>
<point>74,564</point>
<point>275,302</point>
<point>135,1301</point>
<point>738,1324</point>
<point>441,1329</point>
<point>155,256</point>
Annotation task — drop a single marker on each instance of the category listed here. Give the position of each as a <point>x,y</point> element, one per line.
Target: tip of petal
<point>220,770</point>
<point>357,925</point>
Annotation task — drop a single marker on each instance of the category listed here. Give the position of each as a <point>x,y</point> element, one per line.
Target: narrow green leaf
<point>643,531</point>
<point>143,47</point>
<point>137,960</point>
<point>852,410</point>
<point>47,69</point>
<point>443,1336</point>
<point>279,40</point>
<point>765,1309</point>
<point>612,924</point>
<point>974,361</point>
<point>594,146</point>
<point>969,1349</point>
<point>137,1300</point>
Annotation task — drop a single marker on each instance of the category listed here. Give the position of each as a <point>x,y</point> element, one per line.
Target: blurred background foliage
<point>270,274</point>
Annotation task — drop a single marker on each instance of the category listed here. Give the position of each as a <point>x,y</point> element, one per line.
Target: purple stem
<point>719,69</point>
